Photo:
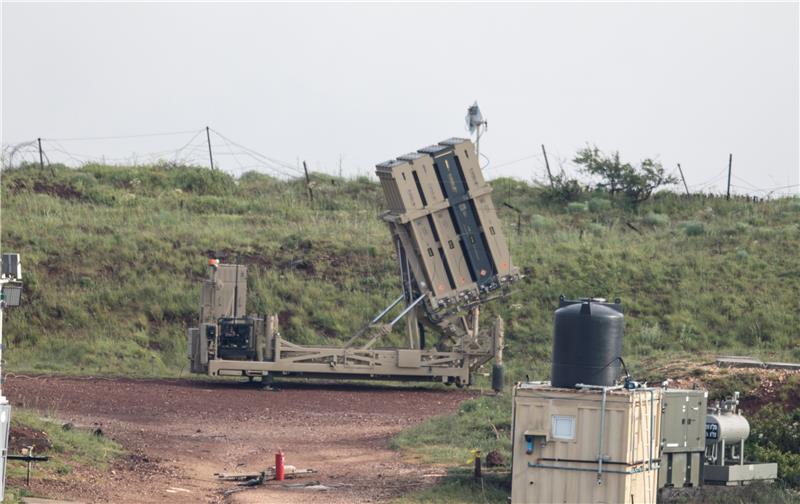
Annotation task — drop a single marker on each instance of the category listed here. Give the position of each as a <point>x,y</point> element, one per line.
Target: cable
<point>234,155</point>
<point>187,144</point>
<point>256,153</point>
<point>752,186</point>
<point>484,156</point>
<point>515,161</point>
<point>142,135</point>
<point>712,179</point>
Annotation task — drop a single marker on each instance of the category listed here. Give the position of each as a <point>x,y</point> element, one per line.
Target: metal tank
<point>726,432</point>
<point>725,427</point>
<point>728,427</point>
<point>587,343</point>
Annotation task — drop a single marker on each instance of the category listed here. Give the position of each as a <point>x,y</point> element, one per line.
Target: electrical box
<point>683,438</point>
<point>585,445</point>
<point>12,294</point>
<point>11,268</point>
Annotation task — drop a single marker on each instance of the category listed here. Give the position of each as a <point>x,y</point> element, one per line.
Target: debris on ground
<point>249,480</point>
<point>495,459</point>
<point>22,437</point>
<point>315,486</point>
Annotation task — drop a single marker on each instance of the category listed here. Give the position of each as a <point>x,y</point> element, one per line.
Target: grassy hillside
<point>113,257</point>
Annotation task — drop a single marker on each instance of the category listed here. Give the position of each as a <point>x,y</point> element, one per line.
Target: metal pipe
<point>741,452</point>
<point>651,428</point>
<point>602,428</point>
<point>586,469</point>
<point>407,309</point>
<point>388,309</point>
<point>600,387</point>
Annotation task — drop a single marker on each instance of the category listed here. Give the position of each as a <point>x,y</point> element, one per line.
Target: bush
<point>775,437</point>
<point>693,228</point>
<point>599,204</point>
<point>636,184</point>
<point>596,229</point>
<point>576,207</point>
<point>563,189</point>
<point>540,222</point>
<point>656,219</point>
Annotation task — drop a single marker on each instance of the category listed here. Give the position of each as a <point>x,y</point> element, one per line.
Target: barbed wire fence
<point>746,189</point>
<point>209,147</point>
<point>200,147</point>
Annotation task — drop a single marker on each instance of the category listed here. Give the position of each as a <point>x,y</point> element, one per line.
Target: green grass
<point>481,424</point>
<point>459,487</point>
<point>72,447</point>
<point>113,258</point>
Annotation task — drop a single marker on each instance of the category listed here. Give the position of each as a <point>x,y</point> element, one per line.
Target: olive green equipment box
<point>683,438</point>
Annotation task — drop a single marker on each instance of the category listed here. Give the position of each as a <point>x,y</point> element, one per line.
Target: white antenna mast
<point>477,125</point>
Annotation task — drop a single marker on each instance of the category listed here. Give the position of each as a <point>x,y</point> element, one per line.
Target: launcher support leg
<point>475,318</point>
<point>412,329</point>
<point>498,372</point>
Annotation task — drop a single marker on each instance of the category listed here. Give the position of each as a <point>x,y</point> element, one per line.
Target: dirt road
<point>180,433</point>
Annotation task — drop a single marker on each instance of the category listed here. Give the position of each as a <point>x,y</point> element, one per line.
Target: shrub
<point>775,437</point>
<point>693,228</point>
<point>563,189</point>
<point>656,219</point>
<point>576,207</point>
<point>599,204</point>
<point>540,222</point>
<point>596,229</point>
<point>636,184</point>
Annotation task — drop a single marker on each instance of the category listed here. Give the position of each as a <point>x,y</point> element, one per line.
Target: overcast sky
<point>684,83</point>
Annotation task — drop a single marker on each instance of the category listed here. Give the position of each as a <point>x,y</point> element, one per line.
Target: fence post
<point>210,156</point>
<point>547,165</point>
<point>730,163</point>
<point>308,183</point>
<point>684,180</point>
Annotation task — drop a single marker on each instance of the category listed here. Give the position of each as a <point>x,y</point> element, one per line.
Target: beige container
<point>559,434</point>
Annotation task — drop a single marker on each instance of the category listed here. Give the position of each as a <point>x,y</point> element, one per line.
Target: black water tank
<point>587,343</point>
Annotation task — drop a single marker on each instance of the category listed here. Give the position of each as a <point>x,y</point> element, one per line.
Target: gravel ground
<point>180,433</point>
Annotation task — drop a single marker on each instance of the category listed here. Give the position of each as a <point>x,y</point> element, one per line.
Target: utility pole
<point>210,156</point>
<point>547,164</point>
<point>308,183</point>
<point>684,180</point>
<point>730,163</point>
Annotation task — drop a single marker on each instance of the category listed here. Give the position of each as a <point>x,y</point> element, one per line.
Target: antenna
<point>476,122</point>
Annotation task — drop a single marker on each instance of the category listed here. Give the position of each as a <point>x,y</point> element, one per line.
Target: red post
<point>279,471</point>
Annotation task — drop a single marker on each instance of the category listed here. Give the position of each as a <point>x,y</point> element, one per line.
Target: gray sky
<point>684,83</point>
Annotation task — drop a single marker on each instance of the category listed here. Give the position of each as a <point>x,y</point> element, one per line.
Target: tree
<point>636,184</point>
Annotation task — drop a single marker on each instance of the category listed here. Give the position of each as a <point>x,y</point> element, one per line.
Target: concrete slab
<point>736,474</point>
<point>38,500</point>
